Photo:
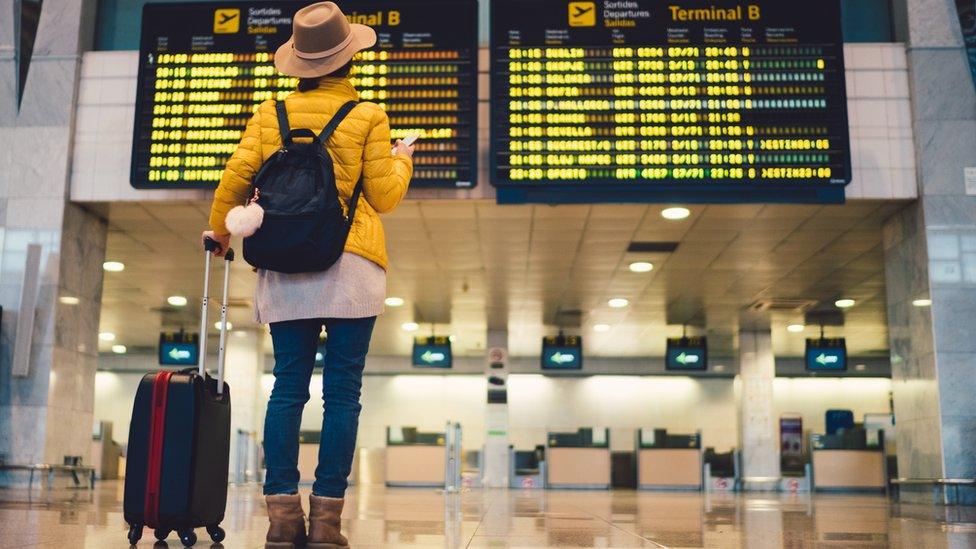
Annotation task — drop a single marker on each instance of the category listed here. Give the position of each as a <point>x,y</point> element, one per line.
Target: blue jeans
<point>295,343</point>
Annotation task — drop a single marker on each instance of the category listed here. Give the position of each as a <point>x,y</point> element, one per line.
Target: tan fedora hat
<point>322,41</point>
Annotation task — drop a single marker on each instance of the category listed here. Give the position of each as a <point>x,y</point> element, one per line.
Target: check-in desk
<point>414,459</point>
<point>579,460</point>
<point>845,462</point>
<point>527,468</point>
<point>668,461</point>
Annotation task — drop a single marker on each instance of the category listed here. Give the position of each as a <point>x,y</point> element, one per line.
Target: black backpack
<point>304,228</point>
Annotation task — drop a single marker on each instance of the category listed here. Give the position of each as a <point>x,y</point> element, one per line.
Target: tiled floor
<point>378,517</point>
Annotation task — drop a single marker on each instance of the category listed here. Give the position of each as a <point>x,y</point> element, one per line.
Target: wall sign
<point>432,352</point>
<point>204,68</point>
<point>562,353</point>
<point>638,100</point>
<point>826,354</point>
<point>179,349</point>
<point>686,353</point>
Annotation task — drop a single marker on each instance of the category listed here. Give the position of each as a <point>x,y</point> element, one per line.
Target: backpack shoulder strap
<point>330,128</point>
<point>283,127</point>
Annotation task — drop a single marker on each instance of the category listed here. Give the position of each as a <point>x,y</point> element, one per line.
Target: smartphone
<point>408,140</point>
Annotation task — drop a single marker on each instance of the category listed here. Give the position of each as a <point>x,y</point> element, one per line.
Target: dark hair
<point>309,84</point>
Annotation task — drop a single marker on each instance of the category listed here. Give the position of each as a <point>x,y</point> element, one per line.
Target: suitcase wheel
<point>188,537</point>
<point>216,533</point>
<point>135,533</point>
<point>161,533</point>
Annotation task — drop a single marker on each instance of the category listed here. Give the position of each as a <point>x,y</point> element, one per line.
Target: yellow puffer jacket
<point>360,145</point>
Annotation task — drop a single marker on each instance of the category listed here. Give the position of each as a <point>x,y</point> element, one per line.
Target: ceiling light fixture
<point>394,302</point>
<point>601,328</point>
<point>119,349</point>
<point>69,300</point>
<point>230,326</point>
<point>844,303</point>
<point>176,300</point>
<point>410,326</point>
<point>641,267</point>
<point>106,336</point>
<point>113,266</point>
<point>618,303</point>
<point>922,303</point>
<point>795,328</point>
<point>676,213</point>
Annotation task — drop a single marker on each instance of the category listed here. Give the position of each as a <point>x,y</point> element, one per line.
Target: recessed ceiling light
<point>451,338</point>
<point>795,328</point>
<point>113,266</point>
<point>119,349</point>
<point>176,300</point>
<point>618,303</point>
<point>641,267</point>
<point>69,300</point>
<point>229,325</point>
<point>410,326</point>
<point>601,328</point>
<point>394,302</point>
<point>922,303</point>
<point>844,303</point>
<point>106,336</point>
<point>676,213</point>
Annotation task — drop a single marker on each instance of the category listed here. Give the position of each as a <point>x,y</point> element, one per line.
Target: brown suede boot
<point>324,523</point>
<point>287,529</point>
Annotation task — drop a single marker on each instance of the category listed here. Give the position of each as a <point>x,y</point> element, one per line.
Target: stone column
<point>930,257</point>
<point>245,365</point>
<point>46,409</point>
<point>758,438</point>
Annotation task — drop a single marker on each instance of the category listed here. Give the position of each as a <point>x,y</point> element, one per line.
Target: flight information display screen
<point>205,67</point>
<point>641,94</point>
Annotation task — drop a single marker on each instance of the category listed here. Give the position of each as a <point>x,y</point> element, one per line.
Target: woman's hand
<point>222,240</point>
<point>401,148</point>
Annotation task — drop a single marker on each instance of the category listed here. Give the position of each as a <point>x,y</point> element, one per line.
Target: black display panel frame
<point>818,346</point>
<point>461,28</point>
<point>550,19</point>
<point>432,344</point>
<point>562,344</point>
<point>683,345</point>
<point>172,341</point>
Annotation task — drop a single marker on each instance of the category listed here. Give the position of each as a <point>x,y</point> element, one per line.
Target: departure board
<point>641,95</point>
<point>205,67</point>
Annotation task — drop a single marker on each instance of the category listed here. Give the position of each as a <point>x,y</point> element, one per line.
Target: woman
<point>346,298</point>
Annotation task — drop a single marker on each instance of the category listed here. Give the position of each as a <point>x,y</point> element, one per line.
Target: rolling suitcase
<point>179,442</point>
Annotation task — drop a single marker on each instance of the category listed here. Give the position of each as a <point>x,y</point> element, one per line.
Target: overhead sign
<point>205,67</point>
<point>432,352</point>
<point>179,349</point>
<point>826,354</point>
<point>639,100</point>
<point>562,353</point>
<point>686,353</point>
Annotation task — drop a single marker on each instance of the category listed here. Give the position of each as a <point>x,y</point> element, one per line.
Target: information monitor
<point>204,68</point>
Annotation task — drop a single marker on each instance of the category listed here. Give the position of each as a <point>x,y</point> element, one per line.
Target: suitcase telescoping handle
<point>210,245</point>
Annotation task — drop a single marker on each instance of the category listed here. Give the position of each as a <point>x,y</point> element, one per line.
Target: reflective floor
<point>378,517</point>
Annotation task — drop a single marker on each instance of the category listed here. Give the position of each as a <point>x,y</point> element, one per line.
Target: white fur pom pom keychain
<point>245,220</point>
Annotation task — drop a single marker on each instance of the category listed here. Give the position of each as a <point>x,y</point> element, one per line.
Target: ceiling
<point>468,265</point>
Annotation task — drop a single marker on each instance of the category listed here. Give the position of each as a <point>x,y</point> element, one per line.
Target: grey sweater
<point>354,287</point>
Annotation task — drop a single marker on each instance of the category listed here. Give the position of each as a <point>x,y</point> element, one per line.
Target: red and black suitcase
<point>179,442</point>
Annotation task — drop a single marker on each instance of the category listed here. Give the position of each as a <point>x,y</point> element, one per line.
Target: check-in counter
<point>845,462</point>
<point>668,461</point>
<point>527,468</point>
<point>414,459</point>
<point>579,460</point>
